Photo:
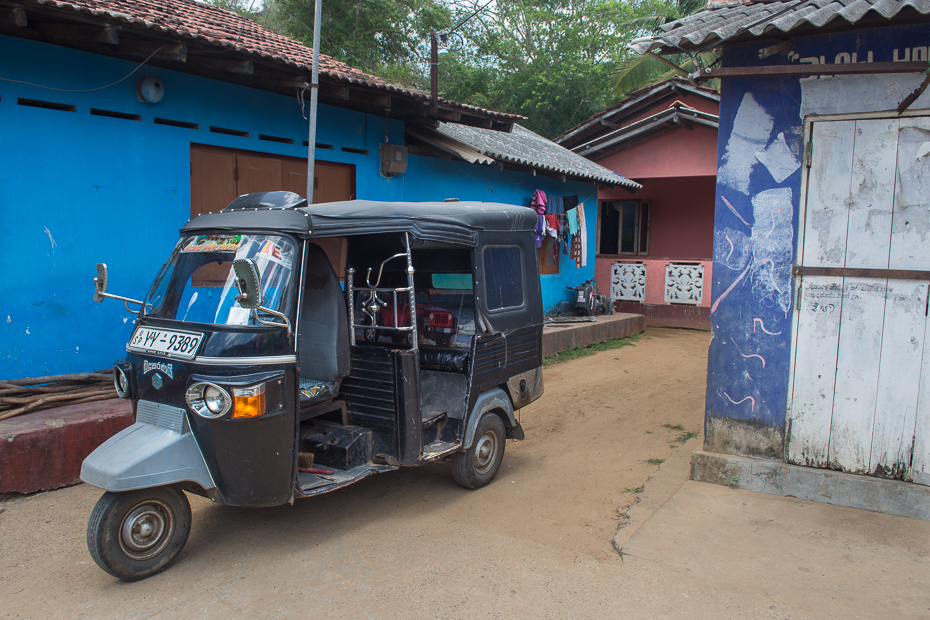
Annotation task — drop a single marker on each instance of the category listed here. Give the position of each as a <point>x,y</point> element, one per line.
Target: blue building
<point>119,120</point>
<point>820,356</point>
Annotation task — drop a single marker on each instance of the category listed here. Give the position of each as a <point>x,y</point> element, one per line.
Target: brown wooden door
<point>333,182</point>
<point>258,173</point>
<point>219,175</point>
<point>213,179</point>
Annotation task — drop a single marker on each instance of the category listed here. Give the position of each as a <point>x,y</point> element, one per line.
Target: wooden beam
<point>84,34</point>
<point>852,272</point>
<point>448,115</point>
<point>370,98</point>
<point>800,70</point>
<point>168,51</point>
<point>334,92</point>
<point>14,17</point>
<point>225,65</point>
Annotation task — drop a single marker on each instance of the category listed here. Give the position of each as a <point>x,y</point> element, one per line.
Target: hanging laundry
<point>538,201</point>
<point>540,229</point>
<point>554,205</point>
<point>572,217</point>
<point>583,233</point>
<point>552,225</point>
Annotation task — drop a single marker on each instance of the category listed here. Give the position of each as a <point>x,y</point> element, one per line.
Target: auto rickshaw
<point>258,376</point>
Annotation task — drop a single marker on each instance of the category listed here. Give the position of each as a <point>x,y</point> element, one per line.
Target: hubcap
<point>146,530</point>
<point>485,452</point>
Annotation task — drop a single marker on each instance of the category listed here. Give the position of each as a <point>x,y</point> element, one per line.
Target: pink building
<point>655,248</point>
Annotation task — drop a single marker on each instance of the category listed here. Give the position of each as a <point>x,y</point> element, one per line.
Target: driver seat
<point>322,332</point>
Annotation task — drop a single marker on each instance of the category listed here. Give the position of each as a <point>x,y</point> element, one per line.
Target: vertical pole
<point>314,95</point>
<point>350,302</point>
<point>414,339</point>
<point>433,73</point>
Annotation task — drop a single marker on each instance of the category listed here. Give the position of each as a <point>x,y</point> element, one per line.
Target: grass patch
<point>591,349</point>
<point>673,427</point>
<point>683,437</point>
<point>648,432</point>
<point>638,489</point>
<point>654,461</point>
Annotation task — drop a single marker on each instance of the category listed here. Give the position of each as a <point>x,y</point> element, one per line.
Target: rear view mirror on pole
<point>100,282</point>
<point>249,283</point>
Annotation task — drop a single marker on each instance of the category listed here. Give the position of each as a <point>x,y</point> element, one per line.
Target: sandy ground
<point>536,543</point>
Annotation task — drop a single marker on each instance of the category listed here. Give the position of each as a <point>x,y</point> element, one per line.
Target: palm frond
<point>638,72</point>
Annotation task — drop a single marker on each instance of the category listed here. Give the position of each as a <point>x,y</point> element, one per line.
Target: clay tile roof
<point>209,24</point>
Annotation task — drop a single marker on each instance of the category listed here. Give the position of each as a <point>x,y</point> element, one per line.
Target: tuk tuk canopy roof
<point>451,222</point>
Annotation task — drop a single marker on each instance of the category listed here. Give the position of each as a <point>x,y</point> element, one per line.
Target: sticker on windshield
<point>270,251</point>
<point>213,243</point>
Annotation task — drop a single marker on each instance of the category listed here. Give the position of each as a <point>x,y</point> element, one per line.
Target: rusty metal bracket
<point>843,68</point>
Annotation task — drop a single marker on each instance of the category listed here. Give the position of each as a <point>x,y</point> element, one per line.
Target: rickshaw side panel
<point>382,394</point>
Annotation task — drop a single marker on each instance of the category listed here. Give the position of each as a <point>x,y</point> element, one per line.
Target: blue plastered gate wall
<point>78,188</point>
<point>757,212</point>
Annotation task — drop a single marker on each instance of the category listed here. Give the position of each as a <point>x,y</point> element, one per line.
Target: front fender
<point>147,455</point>
<point>495,398</point>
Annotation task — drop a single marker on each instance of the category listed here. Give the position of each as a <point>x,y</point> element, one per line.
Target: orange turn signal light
<point>249,402</point>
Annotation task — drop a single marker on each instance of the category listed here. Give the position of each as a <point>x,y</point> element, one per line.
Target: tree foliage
<point>637,71</point>
<point>548,60</point>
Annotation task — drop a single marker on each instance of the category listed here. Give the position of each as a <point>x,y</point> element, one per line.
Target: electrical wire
<point>89,90</point>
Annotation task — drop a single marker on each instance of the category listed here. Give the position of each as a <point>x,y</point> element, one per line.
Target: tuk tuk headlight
<point>208,400</point>
<point>121,382</point>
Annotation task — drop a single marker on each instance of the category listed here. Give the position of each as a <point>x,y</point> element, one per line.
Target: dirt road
<point>536,543</point>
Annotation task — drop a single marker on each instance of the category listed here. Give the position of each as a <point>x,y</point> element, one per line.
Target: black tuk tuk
<point>258,376</point>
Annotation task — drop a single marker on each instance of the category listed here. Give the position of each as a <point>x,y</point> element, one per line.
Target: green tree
<point>643,70</point>
<point>549,60</point>
<point>382,37</point>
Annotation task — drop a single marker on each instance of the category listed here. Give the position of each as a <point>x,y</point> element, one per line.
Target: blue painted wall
<point>77,189</point>
<point>756,220</point>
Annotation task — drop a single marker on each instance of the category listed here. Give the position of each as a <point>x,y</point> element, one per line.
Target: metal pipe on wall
<point>314,96</point>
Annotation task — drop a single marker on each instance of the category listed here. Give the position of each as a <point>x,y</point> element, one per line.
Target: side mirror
<point>100,282</point>
<point>249,283</point>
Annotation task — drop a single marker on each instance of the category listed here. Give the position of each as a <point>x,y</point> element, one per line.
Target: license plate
<point>168,342</point>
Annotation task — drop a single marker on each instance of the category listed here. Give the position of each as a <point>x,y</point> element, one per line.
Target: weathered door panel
<point>899,379</point>
<point>857,371</point>
<point>859,387</point>
<point>868,238</point>
<point>811,409</point>
<point>910,249</point>
<point>821,301</point>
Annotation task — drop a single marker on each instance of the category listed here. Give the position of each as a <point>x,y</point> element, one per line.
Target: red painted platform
<point>44,450</point>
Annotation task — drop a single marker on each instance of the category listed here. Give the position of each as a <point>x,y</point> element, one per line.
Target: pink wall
<point>681,216</point>
<point>677,153</point>
<point>655,277</point>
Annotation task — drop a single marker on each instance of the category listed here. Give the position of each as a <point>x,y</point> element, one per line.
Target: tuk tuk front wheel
<point>478,465</point>
<point>136,534</point>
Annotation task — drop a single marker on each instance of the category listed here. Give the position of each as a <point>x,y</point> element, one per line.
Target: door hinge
<point>808,153</point>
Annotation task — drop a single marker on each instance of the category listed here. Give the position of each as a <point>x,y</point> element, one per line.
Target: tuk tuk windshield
<point>197,284</point>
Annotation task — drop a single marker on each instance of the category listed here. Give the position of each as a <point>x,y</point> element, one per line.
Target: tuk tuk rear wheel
<point>478,465</point>
<point>136,534</point>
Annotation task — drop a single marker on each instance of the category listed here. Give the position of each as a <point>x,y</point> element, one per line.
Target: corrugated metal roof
<point>729,23</point>
<point>188,20</point>
<point>674,115</point>
<point>526,148</point>
<point>631,105</point>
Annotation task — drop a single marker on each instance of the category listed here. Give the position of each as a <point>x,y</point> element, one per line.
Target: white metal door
<point>861,378</point>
